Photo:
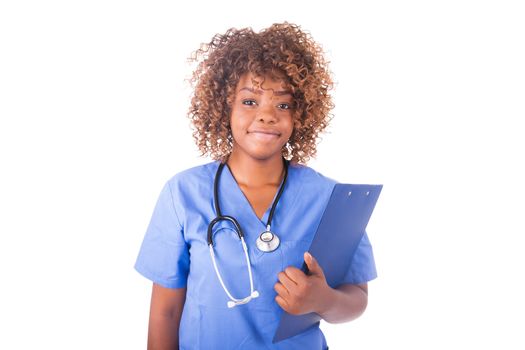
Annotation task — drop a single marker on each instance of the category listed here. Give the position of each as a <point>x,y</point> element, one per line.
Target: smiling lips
<point>263,134</point>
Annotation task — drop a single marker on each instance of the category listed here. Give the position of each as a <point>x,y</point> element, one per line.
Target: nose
<point>266,113</point>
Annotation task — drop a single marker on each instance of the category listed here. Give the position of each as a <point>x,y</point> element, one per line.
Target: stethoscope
<point>267,241</point>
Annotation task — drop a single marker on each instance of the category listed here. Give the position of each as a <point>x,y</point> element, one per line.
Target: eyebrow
<point>259,92</point>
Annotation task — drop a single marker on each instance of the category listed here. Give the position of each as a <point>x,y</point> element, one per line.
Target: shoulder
<point>310,183</point>
<point>192,181</point>
<point>310,176</point>
<point>311,190</point>
<point>194,173</point>
<point>190,187</point>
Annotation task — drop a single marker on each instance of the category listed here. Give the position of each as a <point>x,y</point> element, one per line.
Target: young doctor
<point>227,238</point>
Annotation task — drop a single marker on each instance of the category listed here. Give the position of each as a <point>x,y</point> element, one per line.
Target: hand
<point>298,293</point>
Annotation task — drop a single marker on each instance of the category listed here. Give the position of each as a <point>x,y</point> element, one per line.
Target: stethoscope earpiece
<point>253,295</point>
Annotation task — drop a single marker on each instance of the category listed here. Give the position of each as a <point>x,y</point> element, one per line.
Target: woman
<point>260,102</point>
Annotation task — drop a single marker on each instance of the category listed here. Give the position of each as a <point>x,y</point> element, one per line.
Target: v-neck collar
<point>240,194</point>
<point>234,203</point>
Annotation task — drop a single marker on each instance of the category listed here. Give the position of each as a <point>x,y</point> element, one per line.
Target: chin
<point>264,155</point>
<point>261,157</point>
<point>259,152</point>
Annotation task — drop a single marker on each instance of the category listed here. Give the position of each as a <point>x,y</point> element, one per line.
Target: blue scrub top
<point>175,254</point>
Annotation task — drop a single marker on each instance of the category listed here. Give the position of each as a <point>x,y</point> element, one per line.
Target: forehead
<point>264,82</point>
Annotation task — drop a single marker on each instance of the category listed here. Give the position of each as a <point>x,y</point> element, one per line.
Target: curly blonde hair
<point>282,51</point>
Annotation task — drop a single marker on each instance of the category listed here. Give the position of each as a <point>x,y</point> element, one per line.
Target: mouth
<point>265,132</point>
<point>265,135</point>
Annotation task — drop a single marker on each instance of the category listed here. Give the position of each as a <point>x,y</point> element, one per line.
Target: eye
<point>249,102</point>
<point>284,106</point>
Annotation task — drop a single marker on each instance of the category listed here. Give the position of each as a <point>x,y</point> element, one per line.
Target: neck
<point>252,172</point>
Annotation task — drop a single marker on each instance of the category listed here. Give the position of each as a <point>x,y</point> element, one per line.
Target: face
<point>261,117</point>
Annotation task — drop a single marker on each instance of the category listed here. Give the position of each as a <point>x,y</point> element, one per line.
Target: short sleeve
<point>164,257</point>
<point>362,268</point>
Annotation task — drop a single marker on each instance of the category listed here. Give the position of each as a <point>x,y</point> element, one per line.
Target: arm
<point>299,294</point>
<point>164,318</point>
<point>343,304</point>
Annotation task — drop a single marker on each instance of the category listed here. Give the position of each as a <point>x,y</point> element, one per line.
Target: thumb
<point>313,265</point>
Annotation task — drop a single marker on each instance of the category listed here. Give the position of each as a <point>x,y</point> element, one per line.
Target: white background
<point>429,98</point>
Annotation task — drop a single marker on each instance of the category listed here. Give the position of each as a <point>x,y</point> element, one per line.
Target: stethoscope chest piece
<point>267,241</point>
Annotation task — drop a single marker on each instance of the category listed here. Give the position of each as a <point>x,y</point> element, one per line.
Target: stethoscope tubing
<point>253,293</point>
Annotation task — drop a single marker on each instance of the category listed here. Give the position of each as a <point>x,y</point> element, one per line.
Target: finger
<point>313,265</point>
<point>295,274</point>
<point>280,289</point>
<point>287,282</point>
<point>282,302</point>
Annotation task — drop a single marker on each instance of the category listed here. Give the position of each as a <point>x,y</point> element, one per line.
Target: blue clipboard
<point>340,230</point>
